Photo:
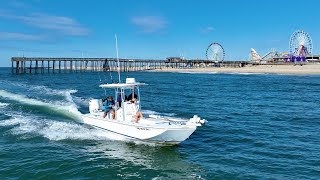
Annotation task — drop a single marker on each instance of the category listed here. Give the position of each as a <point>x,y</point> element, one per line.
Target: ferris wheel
<point>300,44</point>
<point>215,52</point>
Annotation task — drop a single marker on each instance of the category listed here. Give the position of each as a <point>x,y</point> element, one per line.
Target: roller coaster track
<point>263,57</point>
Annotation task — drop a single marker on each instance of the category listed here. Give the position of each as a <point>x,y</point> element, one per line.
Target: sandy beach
<point>272,69</point>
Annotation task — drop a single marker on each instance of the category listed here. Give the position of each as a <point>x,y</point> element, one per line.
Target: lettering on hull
<point>143,129</point>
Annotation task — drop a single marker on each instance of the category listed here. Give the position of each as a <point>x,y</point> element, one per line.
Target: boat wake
<point>47,113</point>
<point>29,126</point>
<point>67,109</point>
<point>27,116</point>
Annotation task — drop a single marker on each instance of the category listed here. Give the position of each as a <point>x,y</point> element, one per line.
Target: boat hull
<point>163,133</point>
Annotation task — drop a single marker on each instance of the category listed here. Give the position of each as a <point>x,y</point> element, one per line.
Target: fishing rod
<point>118,57</point>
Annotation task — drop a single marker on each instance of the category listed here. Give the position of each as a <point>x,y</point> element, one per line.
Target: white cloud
<point>65,25</point>
<point>208,29</point>
<point>149,24</point>
<point>20,36</point>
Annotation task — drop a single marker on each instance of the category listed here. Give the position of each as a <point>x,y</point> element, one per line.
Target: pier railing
<point>52,65</point>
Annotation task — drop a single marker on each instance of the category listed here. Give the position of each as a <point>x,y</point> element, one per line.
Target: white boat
<point>150,128</point>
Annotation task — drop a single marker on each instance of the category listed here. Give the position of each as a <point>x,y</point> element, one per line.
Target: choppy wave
<point>2,105</point>
<point>69,108</point>
<point>31,125</point>
<point>56,131</point>
<point>48,90</point>
<point>38,89</point>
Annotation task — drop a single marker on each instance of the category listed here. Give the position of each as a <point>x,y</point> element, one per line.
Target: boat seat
<point>130,110</point>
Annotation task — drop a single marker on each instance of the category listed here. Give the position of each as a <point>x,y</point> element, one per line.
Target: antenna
<point>118,57</point>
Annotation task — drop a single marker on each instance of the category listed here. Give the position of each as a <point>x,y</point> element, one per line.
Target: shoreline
<point>308,69</point>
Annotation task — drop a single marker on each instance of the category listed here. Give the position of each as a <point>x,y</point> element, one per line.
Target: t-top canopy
<point>130,83</point>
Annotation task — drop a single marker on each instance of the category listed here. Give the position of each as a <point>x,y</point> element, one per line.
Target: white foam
<point>57,131</point>
<point>22,125</point>
<point>10,122</point>
<point>72,107</point>
<point>69,108</point>
<point>48,90</point>
<point>39,89</point>
<point>2,105</point>
<point>52,129</point>
<point>20,98</point>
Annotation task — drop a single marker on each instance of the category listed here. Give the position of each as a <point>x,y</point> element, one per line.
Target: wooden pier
<point>53,65</point>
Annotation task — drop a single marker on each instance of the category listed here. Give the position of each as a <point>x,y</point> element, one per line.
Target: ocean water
<point>261,126</point>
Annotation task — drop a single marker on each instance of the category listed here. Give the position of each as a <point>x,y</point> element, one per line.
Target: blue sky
<point>152,29</point>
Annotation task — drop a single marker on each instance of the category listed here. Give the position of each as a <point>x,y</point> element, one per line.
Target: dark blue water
<point>260,127</point>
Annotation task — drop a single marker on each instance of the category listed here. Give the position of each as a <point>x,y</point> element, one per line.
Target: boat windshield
<point>127,94</point>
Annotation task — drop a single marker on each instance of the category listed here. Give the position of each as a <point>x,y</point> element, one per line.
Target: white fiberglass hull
<point>149,129</point>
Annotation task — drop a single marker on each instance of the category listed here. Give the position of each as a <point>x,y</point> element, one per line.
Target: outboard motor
<point>94,106</point>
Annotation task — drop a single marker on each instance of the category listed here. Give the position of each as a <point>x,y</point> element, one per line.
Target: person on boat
<point>119,100</point>
<point>132,96</point>
<point>138,115</point>
<point>133,100</point>
<point>108,105</point>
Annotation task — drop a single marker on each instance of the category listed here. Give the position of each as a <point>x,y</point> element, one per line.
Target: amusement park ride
<point>215,52</point>
<point>300,46</point>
